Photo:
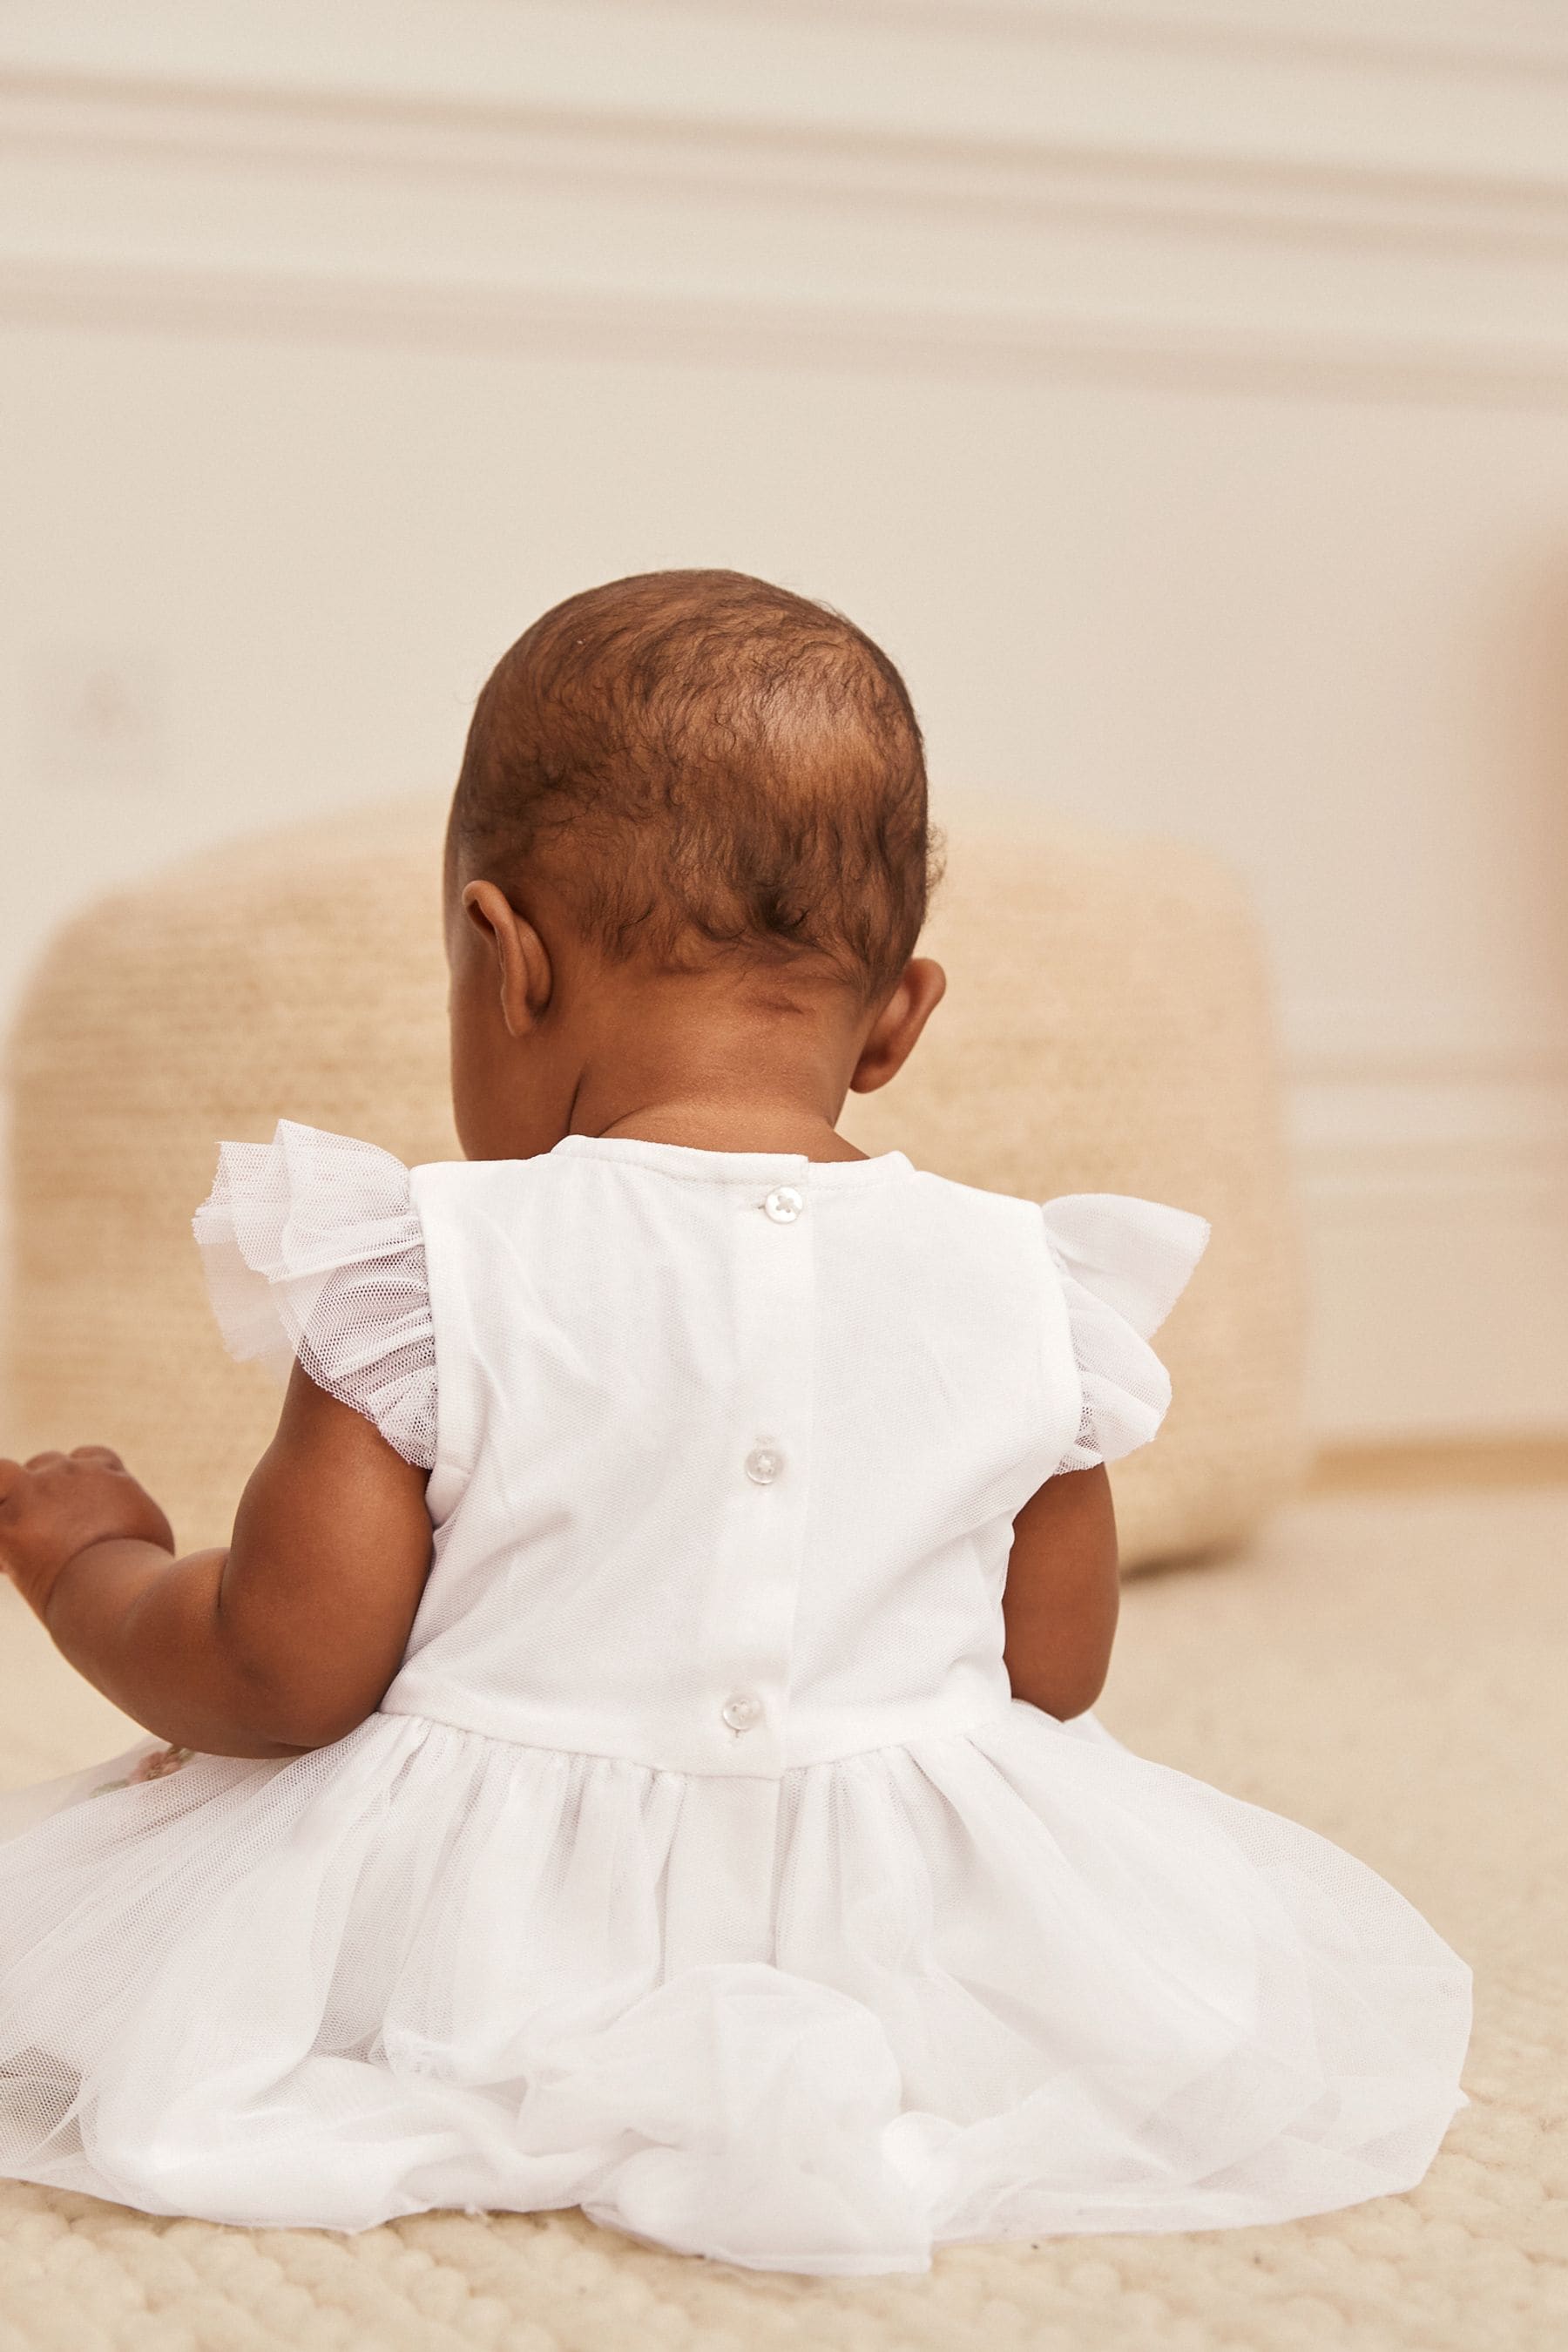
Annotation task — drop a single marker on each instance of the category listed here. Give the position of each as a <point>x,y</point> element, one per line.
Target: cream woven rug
<point>1393,1673</point>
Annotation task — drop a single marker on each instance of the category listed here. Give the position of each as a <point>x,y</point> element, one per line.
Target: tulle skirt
<point>1009,1982</point>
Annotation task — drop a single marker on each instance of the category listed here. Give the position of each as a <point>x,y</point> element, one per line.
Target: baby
<point>634,1751</point>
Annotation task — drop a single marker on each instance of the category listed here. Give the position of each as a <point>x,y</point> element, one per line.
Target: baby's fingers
<point>99,1457</point>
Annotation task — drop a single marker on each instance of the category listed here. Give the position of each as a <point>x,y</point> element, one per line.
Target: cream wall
<point>1180,392</point>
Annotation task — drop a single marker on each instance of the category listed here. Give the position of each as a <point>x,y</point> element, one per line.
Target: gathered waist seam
<point>990,1715</point>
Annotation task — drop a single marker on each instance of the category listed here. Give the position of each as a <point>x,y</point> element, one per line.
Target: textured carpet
<point>1391,1671</point>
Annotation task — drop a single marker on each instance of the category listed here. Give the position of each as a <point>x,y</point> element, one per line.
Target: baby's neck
<point>762,1124</point>
<point>716,1064</point>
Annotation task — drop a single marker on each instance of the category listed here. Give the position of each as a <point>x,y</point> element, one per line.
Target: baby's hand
<point>55,1504</point>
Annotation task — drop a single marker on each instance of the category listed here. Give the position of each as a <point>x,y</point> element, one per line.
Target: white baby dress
<point>699,1867</point>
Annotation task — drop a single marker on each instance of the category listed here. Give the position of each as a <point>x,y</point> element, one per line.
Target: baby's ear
<point>892,1036</point>
<point>522,961</point>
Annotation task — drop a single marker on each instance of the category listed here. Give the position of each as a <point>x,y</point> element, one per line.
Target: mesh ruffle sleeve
<point>313,1250</point>
<point>1124,1264</point>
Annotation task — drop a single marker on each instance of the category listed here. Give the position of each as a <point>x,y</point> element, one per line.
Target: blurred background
<point>1178,388</point>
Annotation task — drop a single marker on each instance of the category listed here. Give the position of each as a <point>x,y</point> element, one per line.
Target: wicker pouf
<point>1106,1028</point>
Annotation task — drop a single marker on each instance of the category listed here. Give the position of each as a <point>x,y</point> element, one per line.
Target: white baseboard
<point>1432,1157</point>
<point>1438,1314</point>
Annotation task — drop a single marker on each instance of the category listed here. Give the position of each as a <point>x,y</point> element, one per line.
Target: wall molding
<point>1493,371</point>
<point>1419,1098</point>
<point>1435,35</point>
<point>1357,1144</point>
<point>483,221</point>
<point>1428,1041</point>
<point>1163,186</point>
<point>1502,40</point>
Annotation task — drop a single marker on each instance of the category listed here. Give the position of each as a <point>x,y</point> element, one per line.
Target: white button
<point>741,1711</point>
<point>764,1464</point>
<point>784,1205</point>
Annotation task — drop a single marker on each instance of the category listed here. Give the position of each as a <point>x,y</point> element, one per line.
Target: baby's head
<point>691,820</point>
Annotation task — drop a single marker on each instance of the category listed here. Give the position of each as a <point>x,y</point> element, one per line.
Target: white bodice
<point>725,1448</point>
<point>728,1450</point>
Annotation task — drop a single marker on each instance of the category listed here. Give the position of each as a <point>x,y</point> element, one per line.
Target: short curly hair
<point>709,767</point>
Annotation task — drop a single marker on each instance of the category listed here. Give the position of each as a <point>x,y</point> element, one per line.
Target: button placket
<point>749,1656</point>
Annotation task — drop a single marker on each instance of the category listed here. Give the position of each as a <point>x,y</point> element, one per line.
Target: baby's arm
<point>1062,1593</point>
<point>283,1643</point>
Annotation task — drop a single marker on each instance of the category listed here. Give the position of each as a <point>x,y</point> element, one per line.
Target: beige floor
<point>1393,1672</point>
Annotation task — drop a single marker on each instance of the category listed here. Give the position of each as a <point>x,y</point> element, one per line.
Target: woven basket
<point>1106,1027</point>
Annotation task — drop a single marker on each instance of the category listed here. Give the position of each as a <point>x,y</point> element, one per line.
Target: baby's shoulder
<point>477,1188</point>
